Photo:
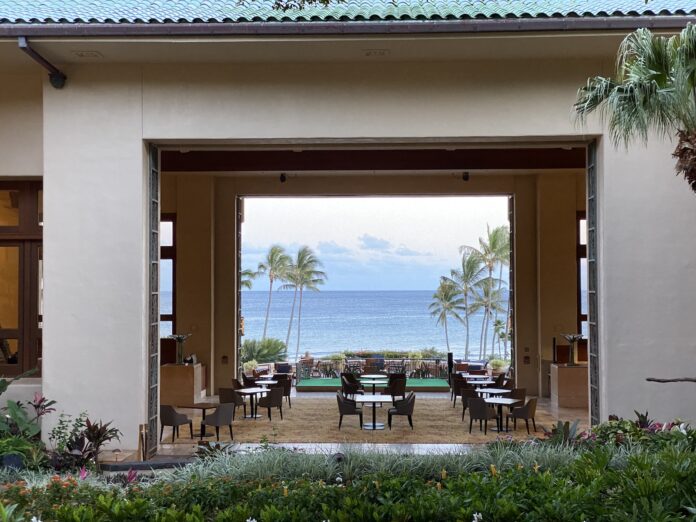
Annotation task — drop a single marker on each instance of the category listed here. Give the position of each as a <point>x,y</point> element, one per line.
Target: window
<point>21,285</point>
<point>167,274</point>
<point>582,273</point>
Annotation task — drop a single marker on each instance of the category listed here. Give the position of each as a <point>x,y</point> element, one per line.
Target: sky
<point>376,243</point>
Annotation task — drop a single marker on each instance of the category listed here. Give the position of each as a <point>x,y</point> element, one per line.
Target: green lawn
<point>336,383</point>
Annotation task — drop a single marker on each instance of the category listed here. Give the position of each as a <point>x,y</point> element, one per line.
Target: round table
<point>382,381</point>
<point>252,392</point>
<point>374,399</point>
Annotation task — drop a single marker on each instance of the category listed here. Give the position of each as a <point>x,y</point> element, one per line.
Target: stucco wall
<point>94,336</point>
<point>21,120</point>
<point>95,307</point>
<point>648,259</point>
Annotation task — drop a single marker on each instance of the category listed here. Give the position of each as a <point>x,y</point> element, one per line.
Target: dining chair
<point>229,395</point>
<point>248,382</point>
<point>396,388</point>
<point>458,382</point>
<point>347,406</point>
<point>403,407</point>
<point>222,416</point>
<point>170,417</point>
<point>467,393</point>
<point>273,399</point>
<point>349,388</point>
<point>480,411</point>
<point>526,412</point>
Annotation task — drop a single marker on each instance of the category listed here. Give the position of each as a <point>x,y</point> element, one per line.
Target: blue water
<point>334,321</point>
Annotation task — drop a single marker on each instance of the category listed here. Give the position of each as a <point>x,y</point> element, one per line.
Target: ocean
<point>334,321</point>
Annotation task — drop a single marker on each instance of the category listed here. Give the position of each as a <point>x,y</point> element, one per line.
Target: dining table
<point>374,400</point>
<point>203,406</point>
<point>264,382</point>
<point>252,393</point>
<point>500,402</point>
<point>492,391</point>
<point>381,381</point>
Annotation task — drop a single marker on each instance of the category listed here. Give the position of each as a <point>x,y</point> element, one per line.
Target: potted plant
<point>498,366</point>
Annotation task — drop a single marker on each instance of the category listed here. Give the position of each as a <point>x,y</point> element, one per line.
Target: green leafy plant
<point>97,434</point>
<point>250,365</point>
<point>498,364</point>
<point>263,351</point>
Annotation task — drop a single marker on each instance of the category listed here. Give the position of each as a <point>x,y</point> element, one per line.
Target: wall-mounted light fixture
<point>283,178</point>
<point>465,176</point>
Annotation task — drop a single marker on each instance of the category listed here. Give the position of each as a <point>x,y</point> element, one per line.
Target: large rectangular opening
<point>209,195</point>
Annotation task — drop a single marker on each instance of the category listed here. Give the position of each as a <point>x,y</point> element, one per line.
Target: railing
<point>413,368</point>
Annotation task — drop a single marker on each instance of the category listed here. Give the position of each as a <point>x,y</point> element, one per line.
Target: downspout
<point>55,75</point>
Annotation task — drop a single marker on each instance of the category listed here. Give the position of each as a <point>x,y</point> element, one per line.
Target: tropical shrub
<point>263,351</point>
<point>249,366</point>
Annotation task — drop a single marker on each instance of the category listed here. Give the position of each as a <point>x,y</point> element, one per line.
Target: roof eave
<point>507,25</point>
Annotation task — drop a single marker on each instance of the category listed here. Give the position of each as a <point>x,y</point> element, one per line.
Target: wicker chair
<point>403,407</point>
<point>526,412</point>
<point>230,396</point>
<point>467,393</point>
<point>348,407</point>
<point>480,411</point>
<point>170,417</point>
<point>222,416</point>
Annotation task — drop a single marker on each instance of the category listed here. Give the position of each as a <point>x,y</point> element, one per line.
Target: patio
<point>313,418</point>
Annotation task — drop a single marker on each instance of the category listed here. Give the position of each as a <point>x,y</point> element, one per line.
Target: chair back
<point>229,395</point>
<point>478,409</point>
<point>248,381</point>
<point>396,377</point>
<point>398,387</point>
<point>499,380</point>
<point>287,387</point>
<point>236,385</point>
<point>532,404</point>
<point>468,393</point>
<point>518,393</point>
<point>348,387</point>
<point>461,367</point>
<point>345,405</point>
<point>478,372</point>
<point>275,396</point>
<point>283,367</point>
<point>406,406</point>
<point>371,369</point>
<point>350,377</point>
<point>222,416</point>
<point>167,415</point>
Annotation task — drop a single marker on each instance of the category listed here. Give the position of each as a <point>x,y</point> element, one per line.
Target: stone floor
<point>311,425</point>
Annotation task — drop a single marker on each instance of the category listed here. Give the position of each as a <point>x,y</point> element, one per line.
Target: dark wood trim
<point>169,252</point>
<point>27,237</point>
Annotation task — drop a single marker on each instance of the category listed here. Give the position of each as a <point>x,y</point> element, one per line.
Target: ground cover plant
<point>646,473</point>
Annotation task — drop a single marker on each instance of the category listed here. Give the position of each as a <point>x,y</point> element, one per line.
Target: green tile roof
<point>235,11</point>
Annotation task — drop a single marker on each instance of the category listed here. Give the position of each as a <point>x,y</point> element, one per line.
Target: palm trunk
<point>292,315</point>
<point>446,334</point>
<point>268,308</point>
<point>466,324</point>
<point>299,321</point>
<point>507,330</point>
<point>485,329</point>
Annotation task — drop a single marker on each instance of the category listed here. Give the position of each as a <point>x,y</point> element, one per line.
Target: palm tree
<point>493,251</point>
<point>306,275</point>
<point>292,283</point>
<point>653,89</point>
<point>490,300</point>
<point>466,280</point>
<point>247,278</point>
<point>446,302</point>
<point>268,350</point>
<point>275,266</point>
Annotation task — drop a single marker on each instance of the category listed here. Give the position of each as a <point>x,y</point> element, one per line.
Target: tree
<point>446,302</point>
<point>493,251</point>
<point>307,276</point>
<point>247,278</point>
<point>490,300</point>
<point>466,280</point>
<point>275,266</point>
<point>653,89</point>
<point>292,283</point>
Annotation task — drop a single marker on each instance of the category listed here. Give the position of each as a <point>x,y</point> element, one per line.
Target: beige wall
<point>21,120</point>
<point>93,163</point>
